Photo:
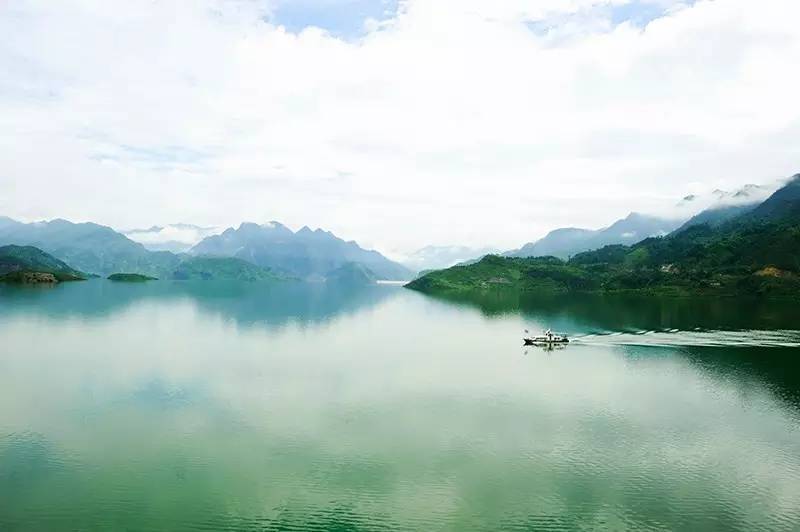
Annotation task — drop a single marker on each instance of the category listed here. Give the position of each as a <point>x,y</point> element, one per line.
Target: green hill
<point>16,262</point>
<point>782,206</point>
<point>90,247</point>
<point>352,274</point>
<point>130,277</point>
<point>222,268</point>
<point>757,252</point>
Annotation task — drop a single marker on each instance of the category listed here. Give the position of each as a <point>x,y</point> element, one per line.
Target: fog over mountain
<point>89,247</point>
<point>306,254</point>
<point>177,238</point>
<point>730,250</point>
<point>569,241</point>
<point>438,257</point>
<point>748,194</point>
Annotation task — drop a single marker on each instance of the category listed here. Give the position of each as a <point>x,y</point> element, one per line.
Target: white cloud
<point>452,122</point>
<point>174,237</point>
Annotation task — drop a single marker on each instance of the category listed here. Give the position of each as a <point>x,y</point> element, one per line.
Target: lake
<point>235,406</point>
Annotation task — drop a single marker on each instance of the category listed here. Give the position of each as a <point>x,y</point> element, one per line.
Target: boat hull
<point>545,341</point>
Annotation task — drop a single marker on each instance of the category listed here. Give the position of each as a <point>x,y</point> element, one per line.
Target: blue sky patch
<point>342,18</point>
<point>639,13</point>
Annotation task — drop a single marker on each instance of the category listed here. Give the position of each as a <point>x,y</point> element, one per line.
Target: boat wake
<point>694,338</point>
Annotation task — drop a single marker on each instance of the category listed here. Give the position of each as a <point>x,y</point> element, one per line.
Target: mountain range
<point>752,250</point>
<point>89,247</point>
<point>307,254</point>
<point>716,208</point>
<point>251,251</point>
<point>565,242</point>
<point>273,251</point>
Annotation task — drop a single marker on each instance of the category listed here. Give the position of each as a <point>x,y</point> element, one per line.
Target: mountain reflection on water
<point>246,406</point>
<point>270,304</point>
<point>748,328</point>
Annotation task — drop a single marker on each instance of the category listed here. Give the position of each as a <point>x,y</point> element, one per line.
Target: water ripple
<point>694,338</point>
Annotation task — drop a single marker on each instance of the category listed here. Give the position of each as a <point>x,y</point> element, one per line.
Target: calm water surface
<point>225,406</point>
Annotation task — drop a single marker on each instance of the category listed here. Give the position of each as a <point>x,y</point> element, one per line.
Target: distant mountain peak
<point>637,216</point>
<point>305,254</point>
<point>747,191</point>
<point>783,203</point>
<point>87,246</point>
<point>568,241</point>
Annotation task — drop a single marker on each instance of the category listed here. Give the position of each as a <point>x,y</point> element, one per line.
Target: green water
<point>223,406</point>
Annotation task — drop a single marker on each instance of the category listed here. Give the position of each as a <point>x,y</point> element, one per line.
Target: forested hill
<point>757,252</point>
<point>15,260</point>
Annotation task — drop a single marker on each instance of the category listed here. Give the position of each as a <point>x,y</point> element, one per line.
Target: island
<point>131,277</point>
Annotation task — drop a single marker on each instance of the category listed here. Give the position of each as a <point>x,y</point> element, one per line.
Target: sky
<point>396,123</point>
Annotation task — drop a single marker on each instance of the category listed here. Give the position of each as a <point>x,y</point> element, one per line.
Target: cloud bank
<point>441,121</point>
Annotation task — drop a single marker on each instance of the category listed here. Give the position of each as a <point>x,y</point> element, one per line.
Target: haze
<point>398,125</point>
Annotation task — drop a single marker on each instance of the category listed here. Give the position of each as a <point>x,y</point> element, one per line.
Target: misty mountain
<point>7,222</point>
<point>306,254</point>
<point>438,257</point>
<point>89,247</point>
<point>569,241</point>
<point>351,274</point>
<point>716,216</point>
<point>756,252</point>
<point>782,205</point>
<point>177,238</point>
<point>748,194</point>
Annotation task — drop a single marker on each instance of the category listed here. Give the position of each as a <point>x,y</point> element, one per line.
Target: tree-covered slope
<point>89,247</point>
<point>222,269</point>
<point>14,259</point>
<point>352,274</point>
<point>565,242</point>
<point>130,278</point>
<point>548,274</point>
<point>757,252</point>
<point>782,206</point>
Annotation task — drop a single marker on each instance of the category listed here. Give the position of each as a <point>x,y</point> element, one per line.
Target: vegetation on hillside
<point>352,273</point>
<point>222,268</point>
<point>130,277</point>
<point>89,247</point>
<point>27,264</point>
<point>757,252</point>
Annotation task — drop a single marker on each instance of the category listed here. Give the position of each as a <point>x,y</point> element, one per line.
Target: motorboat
<point>548,338</point>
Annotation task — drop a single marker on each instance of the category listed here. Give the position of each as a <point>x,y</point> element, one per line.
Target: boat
<point>548,338</point>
